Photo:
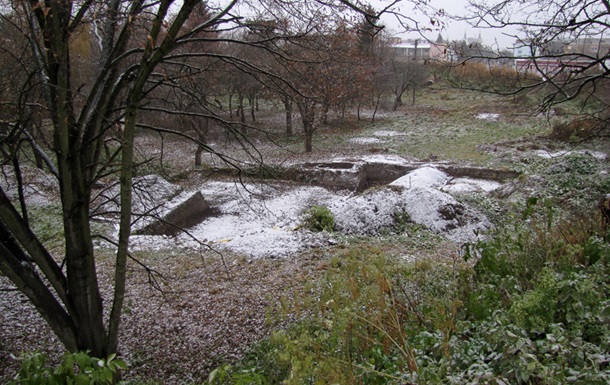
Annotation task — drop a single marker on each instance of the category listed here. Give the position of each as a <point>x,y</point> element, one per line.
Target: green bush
<point>77,368</point>
<point>319,218</point>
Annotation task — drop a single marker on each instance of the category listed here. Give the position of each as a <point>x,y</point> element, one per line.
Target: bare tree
<point>133,57</point>
<point>404,75</point>
<point>133,39</point>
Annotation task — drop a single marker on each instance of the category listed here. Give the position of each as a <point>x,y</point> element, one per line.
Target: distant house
<point>522,49</point>
<point>558,56</point>
<point>418,49</point>
<point>594,47</point>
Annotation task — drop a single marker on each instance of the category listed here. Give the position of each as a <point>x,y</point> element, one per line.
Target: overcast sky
<point>454,30</point>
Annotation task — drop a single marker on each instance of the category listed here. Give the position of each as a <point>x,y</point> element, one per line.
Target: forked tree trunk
<point>377,102</point>
<point>71,303</point>
<point>307,110</point>
<point>397,102</point>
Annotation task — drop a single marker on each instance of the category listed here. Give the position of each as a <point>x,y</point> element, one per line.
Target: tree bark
<point>307,109</point>
<point>251,100</point>
<point>201,136</point>
<point>288,110</point>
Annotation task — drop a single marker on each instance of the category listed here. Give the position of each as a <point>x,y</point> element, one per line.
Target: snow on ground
<point>383,133</point>
<point>151,194</point>
<point>422,177</point>
<point>264,220</point>
<point>417,195</point>
<point>366,140</point>
<point>549,155</point>
<point>376,158</point>
<point>38,189</point>
<point>468,185</point>
<point>488,116</point>
<point>256,220</point>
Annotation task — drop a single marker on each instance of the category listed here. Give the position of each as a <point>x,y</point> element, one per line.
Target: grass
<point>442,135</point>
<point>435,128</point>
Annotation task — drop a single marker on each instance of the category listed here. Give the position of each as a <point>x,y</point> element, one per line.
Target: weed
<point>319,218</point>
<point>402,220</point>
<point>77,368</point>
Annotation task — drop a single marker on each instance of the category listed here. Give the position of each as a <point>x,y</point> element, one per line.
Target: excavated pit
<point>355,176</point>
<point>187,214</point>
<point>359,176</point>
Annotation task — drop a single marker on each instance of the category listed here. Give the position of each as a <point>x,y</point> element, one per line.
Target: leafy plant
<point>533,309</point>
<point>75,368</point>
<point>319,218</point>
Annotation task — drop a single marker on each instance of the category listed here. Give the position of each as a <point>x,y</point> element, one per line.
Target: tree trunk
<point>71,303</point>
<point>231,105</point>
<point>308,115</point>
<point>201,136</point>
<point>288,109</point>
<point>376,107</point>
<point>325,113</point>
<point>251,101</point>
<point>309,140</point>
<point>240,107</point>
<point>397,102</point>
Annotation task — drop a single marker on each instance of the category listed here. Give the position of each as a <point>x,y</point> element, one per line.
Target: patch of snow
<point>367,213</point>
<point>422,177</point>
<point>38,187</point>
<point>250,224</point>
<point>383,133</point>
<point>549,155</point>
<point>377,158</point>
<point>488,116</point>
<point>468,185</point>
<point>419,196</point>
<point>151,194</point>
<point>366,140</point>
<point>34,196</point>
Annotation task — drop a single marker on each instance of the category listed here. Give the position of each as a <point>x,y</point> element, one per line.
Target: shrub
<point>319,218</point>
<point>533,310</point>
<point>76,368</point>
<point>577,129</point>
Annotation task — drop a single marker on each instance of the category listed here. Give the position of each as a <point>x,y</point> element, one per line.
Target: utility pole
<point>413,85</point>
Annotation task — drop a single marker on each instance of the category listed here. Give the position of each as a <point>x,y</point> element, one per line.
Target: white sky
<point>453,30</point>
